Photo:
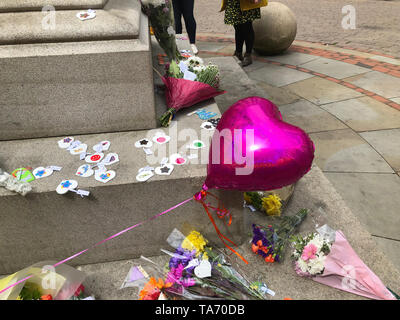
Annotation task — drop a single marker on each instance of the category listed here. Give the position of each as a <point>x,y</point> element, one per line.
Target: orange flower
<point>152,289</point>
<point>46,297</point>
<point>269,259</point>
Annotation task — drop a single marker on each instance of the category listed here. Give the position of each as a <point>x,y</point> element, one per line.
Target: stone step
<point>37,5</point>
<point>65,88</point>
<point>118,20</point>
<point>45,225</point>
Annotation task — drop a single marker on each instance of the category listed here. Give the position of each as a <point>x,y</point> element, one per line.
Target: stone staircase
<point>45,96</point>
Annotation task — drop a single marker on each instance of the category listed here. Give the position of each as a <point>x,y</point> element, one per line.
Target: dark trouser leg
<point>177,6</point>
<point>190,22</point>
<point>249,39</point>
<point>239,38</point>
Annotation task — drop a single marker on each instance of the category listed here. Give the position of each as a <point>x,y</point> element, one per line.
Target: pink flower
<point>309,252</point>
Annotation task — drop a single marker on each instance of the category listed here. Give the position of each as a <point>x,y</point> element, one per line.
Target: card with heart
<point>86,15</point>
<point>23,174</point>
<point>84,171</point>
<point>110,159</point>
<point>94,158</point>
<point>144,175</point>
<point>196,144</point>
<point>143,143</point>
<point>205,115</point>
<point>65,143</point>
<point>102,146</point>
<point>165,169</point>
<point>79,149</point>
<point>105,176</point>
<point>66,185</point>
<point>161,138</point>
<point>41,172</point>
<point>207,125</point>
<point>177,159</point>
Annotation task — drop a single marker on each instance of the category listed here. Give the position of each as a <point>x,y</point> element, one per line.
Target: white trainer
<point>194,48</point>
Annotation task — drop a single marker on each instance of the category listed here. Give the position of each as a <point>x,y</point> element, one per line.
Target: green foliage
<point>30,291</point>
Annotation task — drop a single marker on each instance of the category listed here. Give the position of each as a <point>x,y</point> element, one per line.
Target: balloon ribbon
<point>221,213</point>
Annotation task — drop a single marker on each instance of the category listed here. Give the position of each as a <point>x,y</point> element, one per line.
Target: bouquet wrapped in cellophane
<point>187,83</point>
<point>270,242</point>
<point>196,271</point>
<point>327,257</point>
<point>160,15</point>
<point>43,282</point>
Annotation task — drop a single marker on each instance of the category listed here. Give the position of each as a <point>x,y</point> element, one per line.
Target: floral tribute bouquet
<point>199,271</point>
<point>271,204</point>
<point>195,271</point>
<point>327,257</point>
<point>65,283</point>
<point>270,242</point>
<point>187,83</point>
<point>160,16</point>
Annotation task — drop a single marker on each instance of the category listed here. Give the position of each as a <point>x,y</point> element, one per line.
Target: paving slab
<point>345,151</point>
<point>365,113</point>
<point>235,82</point>
<point>378,82</point>
<point>386,59</point>
<point>210,46</point>
<point>372,198</point>
<point>321,91</point>
<point>391,248</point>
<point>292,57</point>
<point>314,192</point>
<point>309,117</point>
<point>278,76</point>
<point>334,68</point>
<point>397,100</point>
<point>278,95</point>
<point>387,143</point>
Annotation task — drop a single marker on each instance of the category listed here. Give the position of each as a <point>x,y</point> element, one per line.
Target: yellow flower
<point>247,198</point>
<point>272,205</point>
<point>194,241</point>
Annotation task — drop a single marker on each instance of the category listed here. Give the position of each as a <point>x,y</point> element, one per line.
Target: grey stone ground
<point>377,22</point>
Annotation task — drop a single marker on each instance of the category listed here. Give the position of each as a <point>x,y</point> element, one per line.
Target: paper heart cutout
<point>143,143</point>
<point>102,146</point>
<point>86,15</point>
<point>41,172</point>
<point>66,185</point>
<point>196,144</point>
<point>161,138</point>
<point>110,159</point>
<point>65,143</point>
<point>279,155</point>
<point>207,126</point>
<point>165,169</point>
<point>144,175</point>
<point>177,159</point>
<point>84,171</point>
<point>79,149</point>
<point>105,176</point>
<point>203,270</point>
<point>94,158</point>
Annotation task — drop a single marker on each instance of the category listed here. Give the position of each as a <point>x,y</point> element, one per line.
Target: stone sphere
<point>276,29</point>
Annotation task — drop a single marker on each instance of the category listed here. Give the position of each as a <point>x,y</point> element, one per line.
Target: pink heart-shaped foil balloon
<point>254,149</point>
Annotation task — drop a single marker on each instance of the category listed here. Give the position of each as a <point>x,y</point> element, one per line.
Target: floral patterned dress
<point>234,15</point>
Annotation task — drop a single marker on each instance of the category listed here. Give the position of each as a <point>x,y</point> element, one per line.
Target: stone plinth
<point>82,77</point>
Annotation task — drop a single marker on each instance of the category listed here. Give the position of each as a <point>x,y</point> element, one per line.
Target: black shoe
<point>238,55</point>
<point>247,60</point>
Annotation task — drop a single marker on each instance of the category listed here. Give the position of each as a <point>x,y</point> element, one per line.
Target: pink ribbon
<point>103,241</point>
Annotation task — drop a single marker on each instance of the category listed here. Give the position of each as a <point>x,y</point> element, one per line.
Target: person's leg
<point>239,41</point>
<point>249,40</point>
<point>190,22</point>
<point>177,6</point>
<point>248,32</point>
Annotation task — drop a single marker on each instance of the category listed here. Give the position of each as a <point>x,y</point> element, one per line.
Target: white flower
<point>171,31</point>
<point>194,62</point>
<point>302,265</point>
<point>316,265</point>
<point>199,68</point>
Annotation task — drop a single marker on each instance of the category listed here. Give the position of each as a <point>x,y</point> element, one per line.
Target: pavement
<point>376,22</point>
<point>348,101</point>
